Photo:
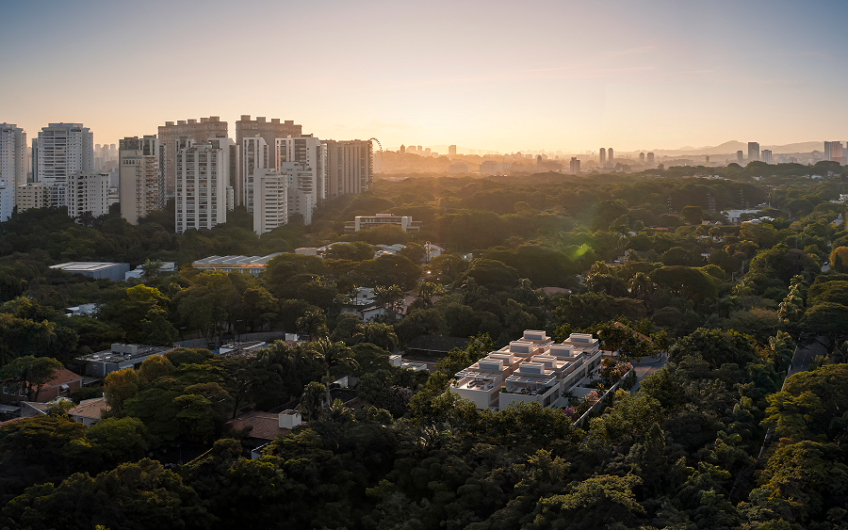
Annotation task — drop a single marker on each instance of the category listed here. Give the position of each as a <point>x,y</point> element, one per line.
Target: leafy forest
<point>739,429</point>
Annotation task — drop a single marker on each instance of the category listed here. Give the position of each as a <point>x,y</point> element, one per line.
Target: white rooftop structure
<point>532,368</point>
<point>95,269</point>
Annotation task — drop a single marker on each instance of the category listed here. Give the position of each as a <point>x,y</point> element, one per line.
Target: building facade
<point>33,195</point>
<point>753,152</point>
<point>365,222</point>
<point>13,166</point>
<point>201,187</point>
<point>175,137</point>
<point>268,131</point>
<point>602,158</point>
<point>350,167</point>
<point>574,165</point>
<point>270,209</point>
<point>256,156</point>
<point>140,176</point>
<point>87,192</point>
<point>767,155</point>
<point>651,159</point>
<point>64,149</point>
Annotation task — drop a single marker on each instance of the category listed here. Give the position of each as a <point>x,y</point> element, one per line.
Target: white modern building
<point>201,188</point>
<point>256,156</point>
<point>140,176</point>
<point>270,208</point>
<point>301,189</point>
<point>64,149</point>
<point>87,191</point>
<point>532,368</point>
<point>13,166</point>
<point>365,222</point>
<point>308,151</point>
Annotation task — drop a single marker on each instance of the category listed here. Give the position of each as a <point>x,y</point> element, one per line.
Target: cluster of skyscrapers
<point>271,168</point>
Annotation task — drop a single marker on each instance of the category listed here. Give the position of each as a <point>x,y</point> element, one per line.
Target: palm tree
<point>641,285</point>
<point>312,323</point>
<point>150,269</point>
<point>383,335</point>
<point>388,298</point>
<point>333,355</point>
<point>427,290</point>
<point>310,402</point>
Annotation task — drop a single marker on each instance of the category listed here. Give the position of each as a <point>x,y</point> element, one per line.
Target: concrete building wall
<point>349,167</point>
<point>201,188</point>
<point>194,130</point>
<point>268,131</point>
<point>271,201</point>
<point>88,192</point>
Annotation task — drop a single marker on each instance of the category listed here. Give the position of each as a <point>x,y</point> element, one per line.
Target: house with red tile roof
<point>63,383</point>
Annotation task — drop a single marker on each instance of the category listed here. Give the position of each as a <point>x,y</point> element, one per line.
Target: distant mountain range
<point>732,146</point>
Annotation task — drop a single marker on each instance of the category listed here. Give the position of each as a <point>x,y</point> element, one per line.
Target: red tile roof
<point>63,376</point>
<point>90,408</point>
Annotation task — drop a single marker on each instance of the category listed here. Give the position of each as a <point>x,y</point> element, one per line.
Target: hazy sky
<point>496,75</point>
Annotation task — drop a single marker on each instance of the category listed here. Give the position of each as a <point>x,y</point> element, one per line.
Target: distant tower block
<point>603,158</point>
<point>451,150</point>
<point>641,158</point>
<point>611,155</point>
<point>651,159</point>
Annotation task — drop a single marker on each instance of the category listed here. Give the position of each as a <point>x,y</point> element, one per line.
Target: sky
<point>497,75</point>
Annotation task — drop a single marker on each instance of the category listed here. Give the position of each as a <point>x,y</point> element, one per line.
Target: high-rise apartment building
<point>310,151</point>
<point>64,149</point>
<point>641,158</point>
<point>201,187</point>
<point>257,154</point>
<point>451,150</point>
<point>602,159</point>
<point>834,152</point>
<point>88,192</point>
<point>349,167</point>
<point>175,137</point>
<point>13,166</point>
<point>574,165</point>
<point>268,131</point>
<point>300,199</point>
<point>270,207</point>
<point>651,159</point>
<point>766,156</point>
<point>753,152</point>
<point>32,195</point>
<point>140,176</point>
<point>402,150</point>
<point>740,159</point>
<point>611,155</point>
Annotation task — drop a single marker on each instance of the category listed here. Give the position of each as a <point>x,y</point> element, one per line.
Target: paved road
<point>646,367</point>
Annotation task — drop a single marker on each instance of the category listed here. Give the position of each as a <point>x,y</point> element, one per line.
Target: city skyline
<point>639,81</point>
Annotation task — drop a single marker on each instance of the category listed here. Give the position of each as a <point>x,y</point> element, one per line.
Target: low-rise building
<point>89,411</point>
<point>532,368</point>
<point>96,269</point>
<point>33,195</point>
<point>118,357</point>
<point>366,222</point>
<point>165,267</point>
<point>245,264</point>
<point>62,384</point>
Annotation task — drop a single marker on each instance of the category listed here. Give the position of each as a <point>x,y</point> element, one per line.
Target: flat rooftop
<point>235,261</point>
<point>85,265</point>
<point>111,356</point>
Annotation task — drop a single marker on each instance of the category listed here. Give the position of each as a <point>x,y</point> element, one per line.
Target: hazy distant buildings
<point>611,155</point>
<point>175,137</point>
<point>834,152</point>
<point>753,152</point>
<point>64,149</point>
<point>201,172</point>
<point>451,150</point>
<point>602,159</point>
<point>301,189</point>
<point>766,156</point>
<point>740,158</point>
<point>13,166</point>
<point>402,150</point>
<point>651,159</point>
<point>642,158</point>
<point>270,206</point>
<point>349,167</point>
<point>458,167</point>
<point>268,131</point>
<point>88,192</point>
<point>256,154</point>
<point>140,176</point>
<point>574,165</point>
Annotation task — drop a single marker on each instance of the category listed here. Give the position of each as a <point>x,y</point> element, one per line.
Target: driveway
<point>645,367</point>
